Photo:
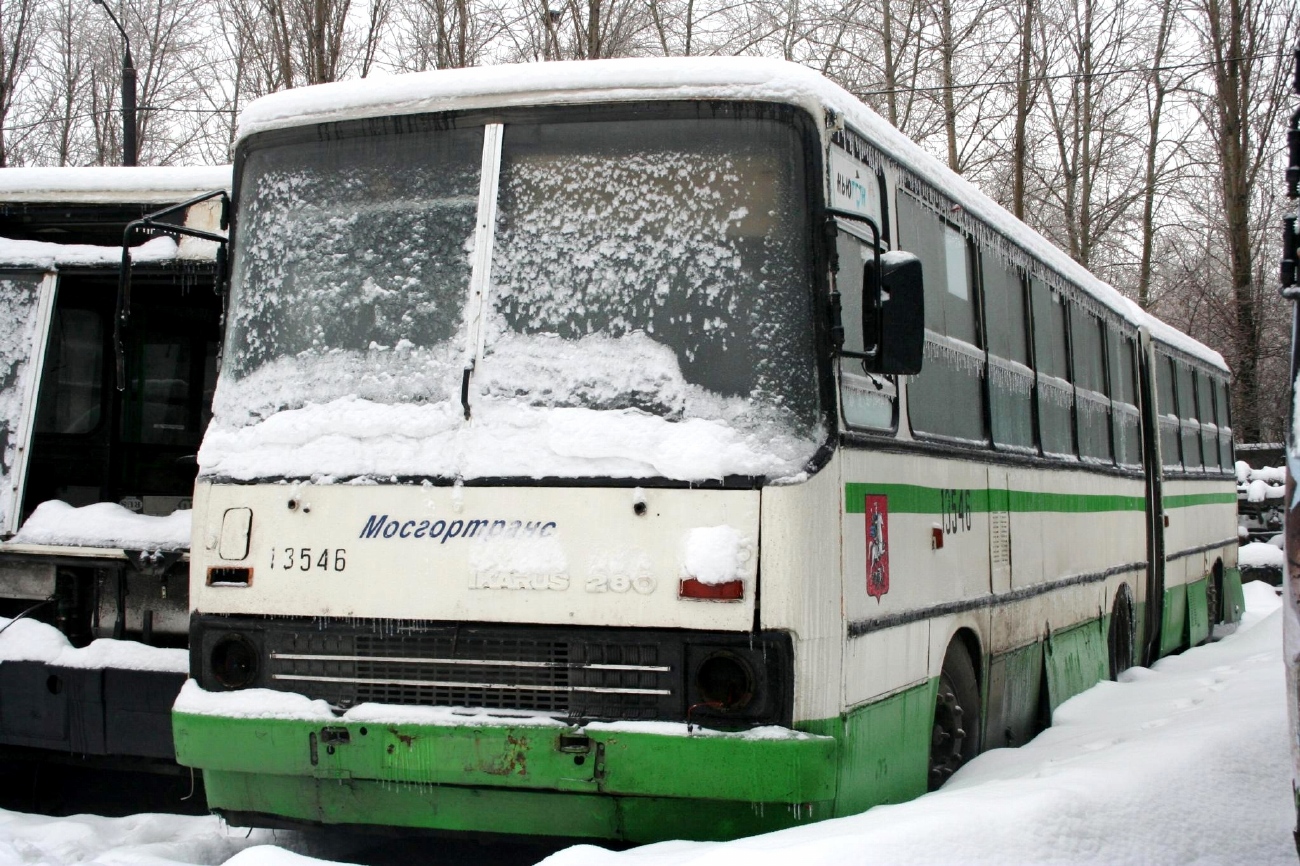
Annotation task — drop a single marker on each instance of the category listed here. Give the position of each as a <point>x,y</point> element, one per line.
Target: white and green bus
<point>648,449</point>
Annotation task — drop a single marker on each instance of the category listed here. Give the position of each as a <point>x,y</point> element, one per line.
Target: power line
<point>1106,73</point>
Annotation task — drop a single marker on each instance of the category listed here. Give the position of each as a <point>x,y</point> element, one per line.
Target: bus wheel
<point>954,739</point>
<point>1120,639</point>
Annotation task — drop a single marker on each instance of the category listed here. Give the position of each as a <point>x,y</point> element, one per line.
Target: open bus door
<point>1155,511</point>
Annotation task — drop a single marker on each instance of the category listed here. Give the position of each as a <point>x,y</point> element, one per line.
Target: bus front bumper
<point>635,782</point>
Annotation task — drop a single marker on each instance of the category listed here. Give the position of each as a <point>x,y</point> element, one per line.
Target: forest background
<point>1144,137</point>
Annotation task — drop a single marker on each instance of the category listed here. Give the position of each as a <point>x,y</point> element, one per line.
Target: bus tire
<point>954,736</point>
<point>1121,638</point>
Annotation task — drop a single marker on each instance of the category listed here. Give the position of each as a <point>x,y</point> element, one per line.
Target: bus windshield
<point>657,269</point>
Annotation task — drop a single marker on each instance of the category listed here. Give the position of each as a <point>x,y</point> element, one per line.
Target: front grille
<point>576,672</point>
<point>444,668</point>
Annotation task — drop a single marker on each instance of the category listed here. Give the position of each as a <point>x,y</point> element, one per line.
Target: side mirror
<point>897,317</point>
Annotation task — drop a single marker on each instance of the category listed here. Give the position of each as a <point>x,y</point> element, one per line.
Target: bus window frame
<point>975,286</point>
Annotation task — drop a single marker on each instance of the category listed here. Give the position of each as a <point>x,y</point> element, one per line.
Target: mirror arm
<point>122,306</point>
<point>873,294</point>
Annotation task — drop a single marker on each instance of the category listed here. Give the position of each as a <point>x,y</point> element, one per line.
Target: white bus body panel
<point>572,556</point>
<point>801,584</point>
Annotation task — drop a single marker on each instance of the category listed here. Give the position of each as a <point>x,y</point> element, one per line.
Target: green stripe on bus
<point>1190,499</point>
<point>915,499</point>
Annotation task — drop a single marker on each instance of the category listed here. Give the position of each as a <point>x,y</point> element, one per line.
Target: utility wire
<point>1105,73</point>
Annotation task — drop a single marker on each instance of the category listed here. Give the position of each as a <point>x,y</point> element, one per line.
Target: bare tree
<point>446,34</point>
<point>1244,40</point>
<point>19,28</point>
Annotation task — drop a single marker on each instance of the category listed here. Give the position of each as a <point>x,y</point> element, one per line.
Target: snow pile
<point>272,704</point>
<point>1260,554</point>
<point>112,184</point>
<point>32,641</point>
<point>42,254</point>
<point>1112,782</point>
<point>352,437</point>
<point>104,524</point>
<point>138,840</point>
<point>714,554</point>
<point>1259,485</point>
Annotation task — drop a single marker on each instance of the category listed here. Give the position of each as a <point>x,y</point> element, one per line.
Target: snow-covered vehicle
<point>570,470</point>
<point>105,388</point>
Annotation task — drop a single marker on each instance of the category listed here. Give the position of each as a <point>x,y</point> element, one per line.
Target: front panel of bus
<point>498,401</point>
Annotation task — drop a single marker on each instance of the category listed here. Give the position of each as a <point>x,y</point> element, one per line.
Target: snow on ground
<point>139,840</point>
<point>1185,762</point>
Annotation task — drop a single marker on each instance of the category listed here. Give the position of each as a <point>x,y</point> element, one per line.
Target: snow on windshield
<point>18,297</point>
<point>645,275</point>
<point>354,247</point>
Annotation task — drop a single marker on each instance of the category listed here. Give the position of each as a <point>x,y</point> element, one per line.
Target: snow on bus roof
<point>733,78</point>
<point>111,184</point>
<point>43,254</point>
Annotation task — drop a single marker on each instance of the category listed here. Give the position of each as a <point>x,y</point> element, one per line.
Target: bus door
<point>26,298</point>
<point>1155,512</point>
<point>136,447</point>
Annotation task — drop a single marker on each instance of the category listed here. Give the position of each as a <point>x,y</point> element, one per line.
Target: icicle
<point>1010,377</point>
<point>956,354</point>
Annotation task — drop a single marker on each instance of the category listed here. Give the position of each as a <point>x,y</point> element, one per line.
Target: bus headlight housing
<point>725,682</point>
<point>234,661</point>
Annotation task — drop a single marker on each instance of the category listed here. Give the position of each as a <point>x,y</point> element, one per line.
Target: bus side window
<point>1188,425</point>
<point>1223,409</point>
<point>866,400</point>
<point>1011,380</point>
<point>1209,426</point>
<point>1092,405</point>
<point>1123,396</point>
<point>946,399</point>
<point>1170,454</point>
<point>1055,393</point>
<point>71,401</point>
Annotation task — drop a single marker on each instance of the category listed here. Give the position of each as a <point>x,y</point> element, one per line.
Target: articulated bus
<point>105,388</point>
<point>634,450</point>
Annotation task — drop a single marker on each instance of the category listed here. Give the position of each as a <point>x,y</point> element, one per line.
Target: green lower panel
<point>592,783</point>
<point>1234,598</point>
<point>1014,692</point>
<point>497,810</point>
<point>1198,617</point>
<point>1077,659</point>
<point>884,752</point>
<point>1173,628</point>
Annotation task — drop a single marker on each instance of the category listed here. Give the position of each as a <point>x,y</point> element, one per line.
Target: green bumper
<point>609,784</point>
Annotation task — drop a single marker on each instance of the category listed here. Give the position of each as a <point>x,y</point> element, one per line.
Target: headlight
<point>725,682</point>
<point>234,661</point>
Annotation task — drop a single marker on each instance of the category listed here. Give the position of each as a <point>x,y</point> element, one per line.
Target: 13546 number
<point>309,558</point>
